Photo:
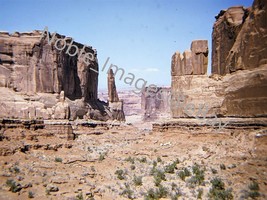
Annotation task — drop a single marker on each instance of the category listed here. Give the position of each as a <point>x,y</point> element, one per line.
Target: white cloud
<point>144,70</point>
<point>152,69</point>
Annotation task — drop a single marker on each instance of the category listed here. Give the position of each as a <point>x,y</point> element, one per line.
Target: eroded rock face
<point>39,79</point>
<point>195,96</point>
<point>30,64</point>
<point>115,105</point>
<point>239,45</point>
<point>112,92</point>
<point>155,103</point>
<point>194,61</point>
<point>240,38</point>
<point>241,94</point>
<point>245,93</point>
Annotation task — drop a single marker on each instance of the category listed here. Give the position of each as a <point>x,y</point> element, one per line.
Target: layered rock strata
<point>239,38</point>
<point>239,45</point>
<point>194,61</point>
<point>233,125</point>
<point>44,79</point>
<point>30,65</point>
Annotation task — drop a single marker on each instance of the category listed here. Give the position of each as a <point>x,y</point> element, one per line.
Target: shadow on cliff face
<point>250,99</point>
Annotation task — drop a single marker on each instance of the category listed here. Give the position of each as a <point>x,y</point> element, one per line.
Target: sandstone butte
<point>39,82</point>
<point>61,138</point>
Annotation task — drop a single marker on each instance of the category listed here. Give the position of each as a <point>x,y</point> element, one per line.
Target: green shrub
<point>158,176</point>
<point>143,160</point>
<point>9,182</point>
<point>187,172</point>
<point>79,196</point>
<point>30,195</point>
<point>254,194</point>
<point>152,171</point>
<point>159,159</point>
<point>15,169</point>
<point>127,192</point>
<point>218,192</point>
<point>47,192</point>
<point>160,192</point>
<point>170,168</point>
<point>195,168</point>
<point>175,193</point>
<point>120,174</point>
<point>102,156</point>
<point>159,173</point>
<point>181,174</point>
<point>137,180</point>
<point>217,183</point>
<point>175,196</point>
<point>58,159</point>
<point>14,187</point>
<point>254,188</point>
<point>151,195</point>
<point>200,177</point>
<point>157,180</point>
<point>174,186</point>
<point>130,159</point>
<point>199,193</point>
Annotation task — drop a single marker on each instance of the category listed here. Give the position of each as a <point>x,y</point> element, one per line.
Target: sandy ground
<point>107,165</point>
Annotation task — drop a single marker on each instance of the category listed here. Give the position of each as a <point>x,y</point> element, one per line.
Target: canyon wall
<point>246,91</point>
<point>237,86</point>
<point>29,64</point>
<point>42,78</point>
<point>240,38</point>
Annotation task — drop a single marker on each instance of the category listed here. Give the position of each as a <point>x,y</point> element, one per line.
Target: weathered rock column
<point>191,62</point>
<point>112,92</point>
<point>200,51</point>
<point>114,103</point>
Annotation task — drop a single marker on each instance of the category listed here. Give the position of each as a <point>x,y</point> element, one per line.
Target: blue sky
<point>139,36</point>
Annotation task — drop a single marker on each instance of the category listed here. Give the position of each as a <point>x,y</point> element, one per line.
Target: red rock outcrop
<point>194,61</point>
<point>156,103</point>
<point>112,91</point>
<point>114,103</point>
<point>30,64</point>
<point>41,78</point>
<point>240,38</point>
<point>239,45</point>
